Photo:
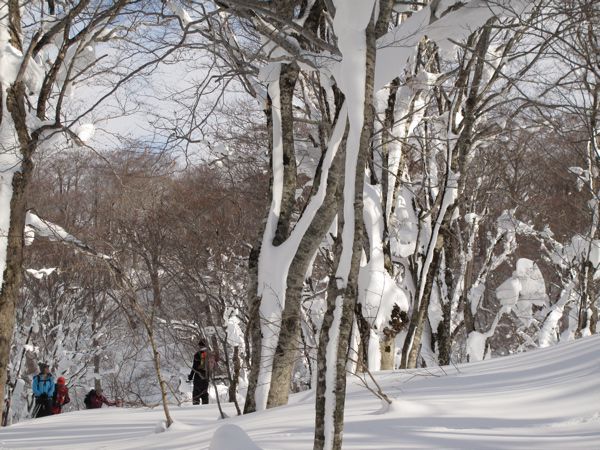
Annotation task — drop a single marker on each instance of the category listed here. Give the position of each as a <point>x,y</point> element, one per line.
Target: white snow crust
<point>544,399</point>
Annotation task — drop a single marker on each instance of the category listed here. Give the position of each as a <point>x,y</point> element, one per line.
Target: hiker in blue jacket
<point>43,390</point>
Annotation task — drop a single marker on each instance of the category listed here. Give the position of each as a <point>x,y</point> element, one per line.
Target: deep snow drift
<point>545,399</point>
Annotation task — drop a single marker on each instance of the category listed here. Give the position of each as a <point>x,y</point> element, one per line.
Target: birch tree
<point>342,292</point>
<point>325,42</point>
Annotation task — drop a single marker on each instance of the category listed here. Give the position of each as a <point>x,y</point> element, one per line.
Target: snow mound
<point>160,427</point>
<point>229,437</point>
<point>405,407</point>
<point>544,399</point>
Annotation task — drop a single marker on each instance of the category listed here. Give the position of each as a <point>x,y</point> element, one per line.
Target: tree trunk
<point>364,333</point>
<point>234,378</point>
<point>457,166</point>
<point>444,335</point>
<point>271,278</point>
<point>152,265</point>
<point>322,385</point>
<point>253,335</point>
<point>388,351</point>
<point>254,346</point>
<point>414,344</point>
<point>289,345</point>
<point>95,343</point>
<point>343,287</point>
<point>12,275</point>
<point>161,382</point>
<point>287,83</point>
<point>586,300</point>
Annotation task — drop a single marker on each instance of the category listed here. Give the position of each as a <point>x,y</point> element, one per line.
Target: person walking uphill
<point>43,390</point>
<point>200,374</point>
<point>95,399</point>
<point>61,396</point>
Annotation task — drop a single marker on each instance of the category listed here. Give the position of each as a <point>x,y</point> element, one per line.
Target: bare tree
<point>41,64</point>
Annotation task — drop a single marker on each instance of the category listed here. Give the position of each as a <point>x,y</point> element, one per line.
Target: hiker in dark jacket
<point>95,399</point>
<point>200,374</point>
<point>43,389</point>
<point>61,395</point>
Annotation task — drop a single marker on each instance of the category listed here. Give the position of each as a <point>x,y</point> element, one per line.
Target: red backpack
<point>61,397</point>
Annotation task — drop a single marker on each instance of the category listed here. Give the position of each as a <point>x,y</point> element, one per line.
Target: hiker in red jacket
<point>95,399</point>
<point>60,397</point>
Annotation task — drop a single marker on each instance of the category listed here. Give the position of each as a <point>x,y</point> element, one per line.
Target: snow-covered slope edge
<point>545,399</point>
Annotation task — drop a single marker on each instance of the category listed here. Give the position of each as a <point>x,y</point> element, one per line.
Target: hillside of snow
<point>545,399</point>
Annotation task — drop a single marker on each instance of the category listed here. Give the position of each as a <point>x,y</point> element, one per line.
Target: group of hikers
<point>51,396</point>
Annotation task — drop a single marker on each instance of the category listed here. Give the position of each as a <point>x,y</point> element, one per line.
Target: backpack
<point>60,395</point>
<point>87,401</point>
<point>42,384</point>
<point>200,365</point>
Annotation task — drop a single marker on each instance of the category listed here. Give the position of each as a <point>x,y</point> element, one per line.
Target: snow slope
<point>545,399</point>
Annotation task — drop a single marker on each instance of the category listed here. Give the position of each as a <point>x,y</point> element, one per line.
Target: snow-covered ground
<point>545,399</point>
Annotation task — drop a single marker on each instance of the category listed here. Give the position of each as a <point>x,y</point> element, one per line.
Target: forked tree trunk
<point>275,358</point>
<point>271,275</point>
<point>289,344</point>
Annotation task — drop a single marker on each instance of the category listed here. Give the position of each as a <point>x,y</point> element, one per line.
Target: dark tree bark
<point>288,345</point>
<point>13,273</point>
